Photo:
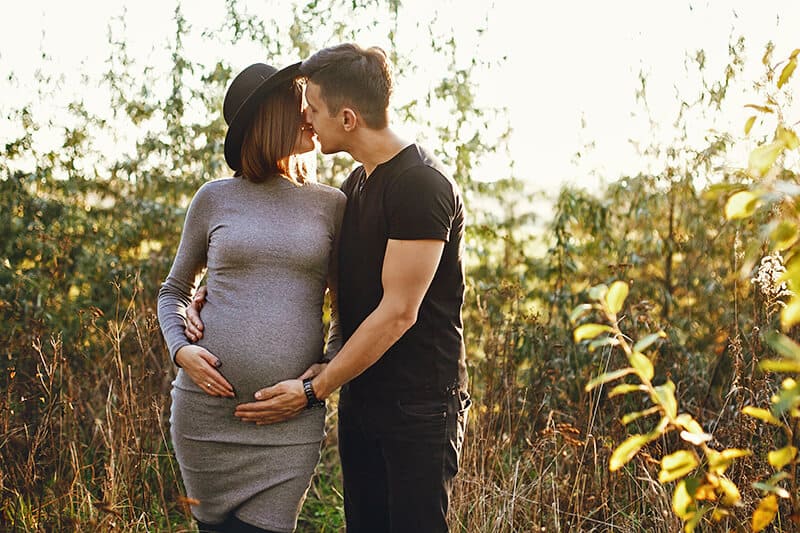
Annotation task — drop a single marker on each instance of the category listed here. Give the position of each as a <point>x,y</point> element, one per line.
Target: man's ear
<point>349,119</point>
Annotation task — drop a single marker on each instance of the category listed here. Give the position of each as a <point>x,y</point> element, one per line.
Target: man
<point>403,402</point>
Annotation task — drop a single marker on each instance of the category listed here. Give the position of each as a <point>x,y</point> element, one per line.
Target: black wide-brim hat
<point>246,92</point>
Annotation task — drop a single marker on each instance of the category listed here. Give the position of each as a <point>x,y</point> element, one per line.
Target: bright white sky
<point>566,61</point>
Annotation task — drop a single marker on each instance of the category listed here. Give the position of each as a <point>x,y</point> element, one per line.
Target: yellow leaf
<point>626,451</point>
<point>741,205</point>
<point>765,512</point>
<point>762,108</point>
<point>788,137</point>
<point>642,365</point>
<point>589,331</point>
<point>763,157</point>
<point>782,457</point>
<point>734,453</point>
<point>718,515</point>
<point>616,295</point>
<point>749,125</point>
<point>718,462</point>
<point>787,72</point>
<point>625,388</point>
<point>762,414</point>
<point>676,465</point>
<point>682,502</point>
<point>780,365</point>
<point>608,376</point>
<point>665,397</point>
<point>695,438</point>
<point>730,492</point>
<point>630,417</point>
<point>784,235</point>
<point>689,424</point>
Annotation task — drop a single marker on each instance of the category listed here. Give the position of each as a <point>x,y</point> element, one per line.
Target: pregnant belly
<point>257,354</point>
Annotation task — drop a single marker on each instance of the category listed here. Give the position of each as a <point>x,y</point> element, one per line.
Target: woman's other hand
<point>202,365</point>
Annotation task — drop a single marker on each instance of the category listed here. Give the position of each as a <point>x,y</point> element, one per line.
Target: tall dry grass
<point>84,431</point>
<point>84,436</point>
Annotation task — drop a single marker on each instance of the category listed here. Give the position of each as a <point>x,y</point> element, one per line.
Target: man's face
<point>327,128</point>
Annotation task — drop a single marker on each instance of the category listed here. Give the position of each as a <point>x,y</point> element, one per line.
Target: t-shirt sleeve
<point>187,271</point>
<point>420,204</point>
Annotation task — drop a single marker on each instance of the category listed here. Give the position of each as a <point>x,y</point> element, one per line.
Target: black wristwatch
<point>313,401</point>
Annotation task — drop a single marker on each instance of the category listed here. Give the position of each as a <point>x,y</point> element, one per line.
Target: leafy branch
<point>694,497</point>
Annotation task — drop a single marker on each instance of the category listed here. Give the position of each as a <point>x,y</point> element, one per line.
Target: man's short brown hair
<point>351,76</point>
<point>268,144</point>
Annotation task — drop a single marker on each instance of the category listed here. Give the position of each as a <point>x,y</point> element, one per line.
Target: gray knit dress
<point>267,249</point>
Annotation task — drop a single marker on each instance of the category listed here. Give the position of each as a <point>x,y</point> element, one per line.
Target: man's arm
<point>408,269</point>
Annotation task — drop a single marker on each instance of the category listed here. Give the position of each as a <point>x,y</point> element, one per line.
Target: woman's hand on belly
<point>201,365</point>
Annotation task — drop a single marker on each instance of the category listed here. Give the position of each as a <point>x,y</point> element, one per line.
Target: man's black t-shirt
<point>409,197</point>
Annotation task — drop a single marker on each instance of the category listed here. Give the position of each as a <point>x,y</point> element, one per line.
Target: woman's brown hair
<point>269,140</point>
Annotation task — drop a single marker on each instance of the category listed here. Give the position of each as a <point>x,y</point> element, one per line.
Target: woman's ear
<point>349,119</point>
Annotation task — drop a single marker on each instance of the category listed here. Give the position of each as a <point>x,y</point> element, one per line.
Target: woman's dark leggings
<point>231,525</point>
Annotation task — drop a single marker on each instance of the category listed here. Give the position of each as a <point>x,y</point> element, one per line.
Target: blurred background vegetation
<point>87,235</point>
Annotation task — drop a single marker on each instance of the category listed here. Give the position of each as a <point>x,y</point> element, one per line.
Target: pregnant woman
<point>266,239</point>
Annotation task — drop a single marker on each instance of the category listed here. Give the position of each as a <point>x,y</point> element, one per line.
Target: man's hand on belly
<point>274,404</point>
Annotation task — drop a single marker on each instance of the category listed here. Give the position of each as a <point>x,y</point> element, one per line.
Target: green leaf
<point>676,465</point>
<point>615,297</point>
<point>762,414</point>
<point>762,159</point>
<point>770,488</point>
<point>590,331</point>
<point>642,365</point>
<point>782,457</point>
<point>765,512</point>
<point>783,345</point>
<point>777,477</point>
<point>630,417</point>
<point>626,451</point>
<point>787,72</point>
<point>749,125</point>
<point>790,314</point>
<point>784,235</point>
<point>741,205</point>
<point>598,292</point>
<point>625,388</point>
<point>605,378</point>
<point>605,341</point>
<point>787,398</point>
<point>665,397</point>
<point>645,342</point>
<point>579,311</point>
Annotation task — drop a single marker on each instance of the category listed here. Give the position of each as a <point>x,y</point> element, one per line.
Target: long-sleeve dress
<point>267,249</point>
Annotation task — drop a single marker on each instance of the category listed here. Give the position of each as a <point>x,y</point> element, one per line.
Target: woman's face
<point>305,138</point>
